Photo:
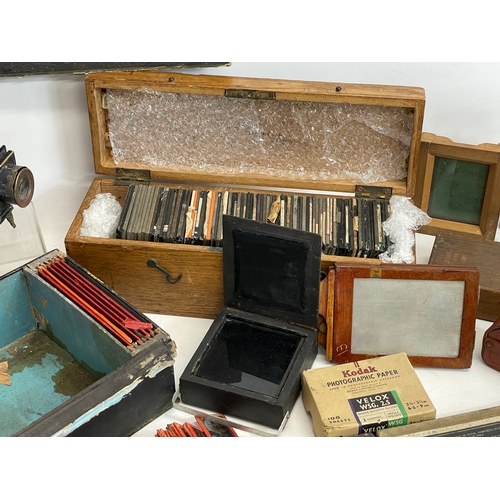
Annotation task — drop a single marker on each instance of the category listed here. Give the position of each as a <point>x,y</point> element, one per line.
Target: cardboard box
<point>365,397</point>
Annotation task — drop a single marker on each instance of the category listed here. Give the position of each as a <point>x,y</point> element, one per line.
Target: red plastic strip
<point>49,277</point>
<point>80,280</point>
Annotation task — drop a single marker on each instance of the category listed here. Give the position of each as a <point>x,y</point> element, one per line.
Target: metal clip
<point>373,192</point>
<point>250,94</point>
<point>153,263</point>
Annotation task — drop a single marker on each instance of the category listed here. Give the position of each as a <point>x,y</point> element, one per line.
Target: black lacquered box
<point>250,362</point>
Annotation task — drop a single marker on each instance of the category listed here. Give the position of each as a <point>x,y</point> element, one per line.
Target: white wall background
<point>44,119</point>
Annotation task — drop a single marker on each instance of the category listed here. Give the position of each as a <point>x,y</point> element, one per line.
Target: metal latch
<point>104,100</point>
<point>250,94</point>
<point>127,176</point>
<point>373,192</point>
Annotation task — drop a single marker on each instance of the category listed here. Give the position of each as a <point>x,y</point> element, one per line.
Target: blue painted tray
<point>63,374</point>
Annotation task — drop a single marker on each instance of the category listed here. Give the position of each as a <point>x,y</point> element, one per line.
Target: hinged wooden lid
<point>271,270</point>
<point>256,132</point>
<point>458,185</point>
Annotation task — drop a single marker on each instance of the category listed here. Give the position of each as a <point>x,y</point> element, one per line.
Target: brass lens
<point>16,185</point>
<point>24,187</point>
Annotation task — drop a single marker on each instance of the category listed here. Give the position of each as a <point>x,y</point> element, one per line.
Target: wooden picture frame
<point>428,312</point>
<point>482,162</point>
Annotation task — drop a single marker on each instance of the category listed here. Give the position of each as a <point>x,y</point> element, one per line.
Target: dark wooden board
<point>454,249</point>
<point>47,68</point>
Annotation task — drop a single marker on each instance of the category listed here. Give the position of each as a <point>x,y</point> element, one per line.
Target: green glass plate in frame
<point>456,186</point>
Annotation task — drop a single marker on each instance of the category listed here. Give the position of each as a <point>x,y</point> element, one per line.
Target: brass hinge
<point>249,94</point>
<point>127,176</point>
<point>373,192</point>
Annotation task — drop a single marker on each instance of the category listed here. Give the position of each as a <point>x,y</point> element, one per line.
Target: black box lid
<point>271,270</point>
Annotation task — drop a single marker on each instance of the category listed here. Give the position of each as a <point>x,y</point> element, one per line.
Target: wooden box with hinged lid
<point>288,139</point>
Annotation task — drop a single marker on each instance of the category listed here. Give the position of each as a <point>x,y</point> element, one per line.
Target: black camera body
<point>16,185</point>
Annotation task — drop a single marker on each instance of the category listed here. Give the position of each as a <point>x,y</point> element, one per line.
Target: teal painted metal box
<point>63,374</point>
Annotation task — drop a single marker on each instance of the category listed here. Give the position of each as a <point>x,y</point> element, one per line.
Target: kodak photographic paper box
<point>365,396</point>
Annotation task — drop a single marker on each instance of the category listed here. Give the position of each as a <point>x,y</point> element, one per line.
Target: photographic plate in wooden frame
<point>456,186</point>
<point>428,312</point>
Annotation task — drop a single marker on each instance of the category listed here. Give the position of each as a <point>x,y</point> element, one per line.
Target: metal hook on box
<point>153,263</point>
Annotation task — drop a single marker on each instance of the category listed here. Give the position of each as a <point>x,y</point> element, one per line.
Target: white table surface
<point>452,391</point>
